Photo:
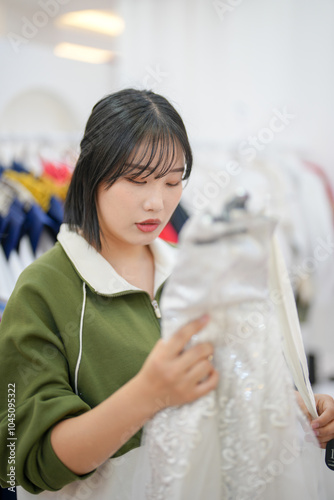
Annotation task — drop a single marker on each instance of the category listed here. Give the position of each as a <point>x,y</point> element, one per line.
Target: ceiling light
<point>100,21</point>
<point>82,53</point>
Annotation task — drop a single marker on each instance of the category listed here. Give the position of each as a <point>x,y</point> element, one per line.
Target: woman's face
<point>134,211</point>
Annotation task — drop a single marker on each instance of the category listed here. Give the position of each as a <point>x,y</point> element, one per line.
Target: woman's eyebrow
<point>177,169</point>
<point>141,167</point>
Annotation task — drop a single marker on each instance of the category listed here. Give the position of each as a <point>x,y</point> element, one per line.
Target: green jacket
<point>73,332</point>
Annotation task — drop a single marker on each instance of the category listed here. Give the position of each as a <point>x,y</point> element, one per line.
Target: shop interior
<point>253,81</point>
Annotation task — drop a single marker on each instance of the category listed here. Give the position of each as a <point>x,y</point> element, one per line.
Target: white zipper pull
<point>156,309</point>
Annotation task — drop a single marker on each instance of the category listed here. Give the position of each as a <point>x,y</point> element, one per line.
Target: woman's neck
<point>135,264</point>
<point>125,253</point>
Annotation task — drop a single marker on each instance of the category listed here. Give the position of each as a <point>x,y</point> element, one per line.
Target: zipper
<point>154,303</point>
<point>156,308</point>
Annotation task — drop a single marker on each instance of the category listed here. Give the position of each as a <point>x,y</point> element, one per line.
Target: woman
<point>79,339</point>
<point>84,317</point>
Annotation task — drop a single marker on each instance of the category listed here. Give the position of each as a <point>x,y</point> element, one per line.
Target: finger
<point>199,372</point>
<point>196,353</point>
<point>324,402</point>
<point>206,385</point>
<point>325,418</point>
<point>325,433</point>
<point>181,338</point>
<point>312,438</point>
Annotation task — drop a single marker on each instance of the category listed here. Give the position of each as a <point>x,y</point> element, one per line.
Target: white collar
<point>96,271</point>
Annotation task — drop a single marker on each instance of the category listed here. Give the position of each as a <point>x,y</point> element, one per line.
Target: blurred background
<point>253,81</point>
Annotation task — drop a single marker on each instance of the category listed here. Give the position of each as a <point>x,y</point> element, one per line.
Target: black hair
<point>119,124</point>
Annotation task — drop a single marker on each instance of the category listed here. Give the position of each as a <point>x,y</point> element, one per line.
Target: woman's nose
<point>154,200</point>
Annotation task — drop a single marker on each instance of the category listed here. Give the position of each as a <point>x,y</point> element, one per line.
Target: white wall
<point>225,71</point>
<point>77,85</point>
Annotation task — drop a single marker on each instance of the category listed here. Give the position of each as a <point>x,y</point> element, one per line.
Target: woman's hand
<point>323,426</point>
<point>170,376</point>
<point>174,376</point>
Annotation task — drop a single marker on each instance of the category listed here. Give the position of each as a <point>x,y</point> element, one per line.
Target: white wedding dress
<point>246,439</point>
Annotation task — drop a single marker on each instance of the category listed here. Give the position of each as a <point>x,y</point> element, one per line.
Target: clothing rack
<point>53,137</point>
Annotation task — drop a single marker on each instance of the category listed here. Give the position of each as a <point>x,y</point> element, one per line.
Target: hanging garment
<point>171,231</point>
<point>20,214</point>
<point>179,218</point>
<point>42,188</point>
<point>7,281</point>
<point>244,440</point>
<point>22,220</point>
<point>58,171</point>
<point>169,234</point>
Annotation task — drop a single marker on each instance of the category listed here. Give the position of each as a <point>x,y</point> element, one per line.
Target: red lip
<point>148,225</point>
<point>150,221</point>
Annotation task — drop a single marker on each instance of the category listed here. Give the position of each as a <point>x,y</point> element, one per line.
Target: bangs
<point>158,148</point>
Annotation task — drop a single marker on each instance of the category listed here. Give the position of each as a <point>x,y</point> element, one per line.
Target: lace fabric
<point>246,439</point>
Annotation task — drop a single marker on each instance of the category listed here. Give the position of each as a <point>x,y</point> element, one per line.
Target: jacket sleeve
<point>35,381</point>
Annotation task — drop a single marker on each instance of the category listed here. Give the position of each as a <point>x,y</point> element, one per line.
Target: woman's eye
<point>134,181</point>
<point>173,184</point>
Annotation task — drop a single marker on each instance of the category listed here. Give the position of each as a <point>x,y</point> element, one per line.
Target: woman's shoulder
<point>43,290</point>
<point>53,259</point>
<point>53,269</point>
